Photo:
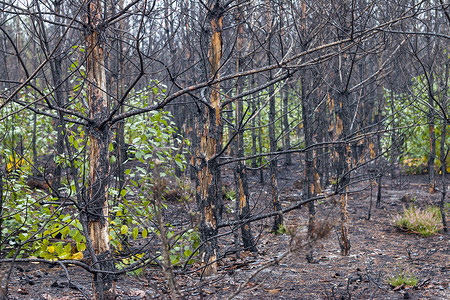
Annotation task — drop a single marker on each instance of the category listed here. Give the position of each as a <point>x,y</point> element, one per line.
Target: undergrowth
<point>425,222</point>
<point>402,277</point>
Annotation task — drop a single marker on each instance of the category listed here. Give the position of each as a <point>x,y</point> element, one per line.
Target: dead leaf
<point>273,291</point>
<point>136,293</point>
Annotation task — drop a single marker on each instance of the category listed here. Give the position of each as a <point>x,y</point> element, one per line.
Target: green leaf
<point>144,233</point>
<point>81,246</point>
<point>174,259</point>
<point>23,236</point>
<point>187,253</point>
<point>59,248</point>
<point>68,248</point>
<point>124,229</point>
<point>18,217</point>
<point>135,232</point>
<point>77,237</point>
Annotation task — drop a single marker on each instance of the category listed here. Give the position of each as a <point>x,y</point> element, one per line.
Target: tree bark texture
<point>278,220</point>
<point>342,163</point>
<point>308,183</point>
<point>99,137</point>
<point>209,194</point>
<point>242,192</point>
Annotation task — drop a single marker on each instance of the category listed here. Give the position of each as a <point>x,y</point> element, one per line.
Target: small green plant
<point>282,230</point>
<point>425,222</point>
<point>125,262</point>
<point>402,277</point>
<point>229,195</point>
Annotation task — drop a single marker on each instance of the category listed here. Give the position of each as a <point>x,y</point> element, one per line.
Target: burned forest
<point>224,149</point>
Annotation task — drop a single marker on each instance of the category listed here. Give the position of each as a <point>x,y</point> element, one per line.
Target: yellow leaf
<point>51,249</point>
<point>78,255</point>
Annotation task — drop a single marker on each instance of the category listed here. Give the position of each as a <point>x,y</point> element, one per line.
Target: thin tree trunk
<point>253,124</point>
<point>444,152</point>
<point>209,194</point>
<point>443,159</point>
<point>242,192</point>
<point>121,150</point>
<point>287,134</point>
<point>342,114</point>
<point>431,125</point>
<point>56,72</point>
<point>165,242</point>
<point>97,210</point>
<point>308,183</point>
<point>278,219</point>
<point>1,200</point>
<point>260,144</point>
<point>394,141</point>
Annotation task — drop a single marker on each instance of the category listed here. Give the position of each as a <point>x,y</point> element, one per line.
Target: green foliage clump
<point>44,231</point>
<point>407,119</point>
<point>402,277</point>
<point>425,222</point>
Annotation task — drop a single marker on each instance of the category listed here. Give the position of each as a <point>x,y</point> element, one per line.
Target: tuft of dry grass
<point>425,222</point>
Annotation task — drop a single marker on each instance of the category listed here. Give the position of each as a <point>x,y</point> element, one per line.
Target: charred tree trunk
<point>443,159</point>
<point>253,124</point>
<point>1,200</point>
<point>342,128</point>
<point>444,152</point>
<point>394,139</point>
<point>209,193</point>
<point>242,193</point>
<point>121,151</point>
<point>278,220</point>
<point>96,209</point>
<point>431,125</point>
<point>308,183</point>
<point>287,130</point>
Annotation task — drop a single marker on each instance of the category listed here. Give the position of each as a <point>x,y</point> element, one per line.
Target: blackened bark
<point>431,126</point>
<point>260,144</point>
<point>1,200</point>
<point>286,127</point>
<point>242,193</point>
<point>97,210</point>
<point>379,178</point>
<point>253,124</point>
<point>278,220</point>
<point>209,187</point>
<point>308,183</point>
<point>342,130</point>
<point>394,141</point>
<point>119,62</point>
<point>443,158</point>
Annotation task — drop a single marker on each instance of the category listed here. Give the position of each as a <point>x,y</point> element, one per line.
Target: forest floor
<point>378,250</point>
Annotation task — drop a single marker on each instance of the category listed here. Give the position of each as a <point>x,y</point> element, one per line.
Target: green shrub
<point>425,222</point>
<point>402,277</point>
